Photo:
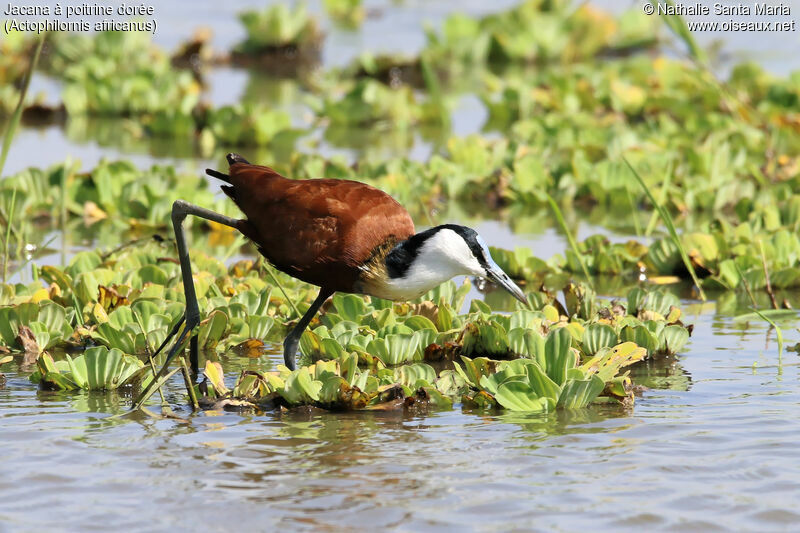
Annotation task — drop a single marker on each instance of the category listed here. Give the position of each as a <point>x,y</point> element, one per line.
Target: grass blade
<point>11,129</point>
<point>155,385</point>
<point>271,274</point>
<point>634,213</point>
<point>778,331</point>
<point>665,216</point>
<point>745,283</point>
<point>678,26</point>
<point>661,199</point>
<point>766,275</point>
<point>570,238</point>
<point>9,222</point>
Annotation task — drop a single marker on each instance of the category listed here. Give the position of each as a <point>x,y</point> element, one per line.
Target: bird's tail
<point>219,175</point>
<point>232,159</point>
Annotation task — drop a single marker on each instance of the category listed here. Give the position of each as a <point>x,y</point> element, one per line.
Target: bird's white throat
<point>441,257</point>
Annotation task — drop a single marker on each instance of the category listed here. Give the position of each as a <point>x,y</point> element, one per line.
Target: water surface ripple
<point>721,455</point>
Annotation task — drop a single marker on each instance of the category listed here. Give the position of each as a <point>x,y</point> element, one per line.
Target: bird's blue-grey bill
<point>501,278</point>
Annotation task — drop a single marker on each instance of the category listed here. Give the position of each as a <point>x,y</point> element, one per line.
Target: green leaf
<point>122,339</point>
<point>641,336</point>
<point>394,348</point>
<point>475,369</point>
<point>331,349</point>
<point>260,326</point>
<point>519,396</point>
<point>541,383</point>
<point>597,336</point>
<point>559,358</point>
<point>516,370</point>
<point>41,334</point>
<point>527,343</point>
<point>485,338</point>
<point>212,329</point>
<point>425,337</point>
<point>415,375</point>
<point>213,371</point>
<point>419,322</point>
<point>580,393</point>
<point>302,386</point>
<point>349,306</point>
<point>57,381</point>
<point>98,368</point>
<point>672,339</point>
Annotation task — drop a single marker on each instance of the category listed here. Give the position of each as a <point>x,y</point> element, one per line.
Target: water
<point>716,452</point>
<point>710,446</point>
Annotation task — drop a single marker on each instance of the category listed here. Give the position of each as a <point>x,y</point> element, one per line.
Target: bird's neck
<point>411,268</point>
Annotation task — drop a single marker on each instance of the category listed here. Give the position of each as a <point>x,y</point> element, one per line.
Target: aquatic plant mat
<point>112,309</point>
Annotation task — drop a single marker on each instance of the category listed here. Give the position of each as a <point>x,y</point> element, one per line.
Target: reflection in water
<point>127,135</point>
<point>288,94</point>
<point>661,372</point>
<point>565,422</point>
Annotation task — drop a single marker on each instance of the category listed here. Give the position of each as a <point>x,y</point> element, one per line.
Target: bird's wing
<point>317,230</point>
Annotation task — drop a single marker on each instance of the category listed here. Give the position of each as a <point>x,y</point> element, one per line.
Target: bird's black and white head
<point>434,256</point>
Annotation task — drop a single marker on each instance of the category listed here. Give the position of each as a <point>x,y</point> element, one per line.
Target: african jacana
<point>340,235</point>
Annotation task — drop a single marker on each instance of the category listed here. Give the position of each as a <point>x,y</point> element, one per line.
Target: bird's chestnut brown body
<point>326,232</point>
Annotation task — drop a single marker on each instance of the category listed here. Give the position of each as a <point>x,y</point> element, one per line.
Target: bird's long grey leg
<point>180,210</point>
<point>292,340</point>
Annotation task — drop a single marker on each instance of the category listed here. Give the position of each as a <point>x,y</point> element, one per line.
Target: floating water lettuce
<point>364,353</point>
<point>368,102</point>
<point>277,25</point>
<point>520,385</point>
<point>97,369</point>
<point>336,384</point>
<point>136,328</point>
<point>550,378</point>
<point>50,323</point>
<point>537,31</point>
<point>349,13</point>
<point>279,38</point>
<point>119,73</point>
<point>130,299</point>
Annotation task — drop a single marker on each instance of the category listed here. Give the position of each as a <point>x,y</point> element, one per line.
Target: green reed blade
<point>275,280</point>
<point>678,26</point>
<point>778,331</point>
<point>662,197</point>
<point>9,222</point>
<point>11,129</point>
<point>570,238</point>
<point>634,213</point>
<point>665,216</point>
